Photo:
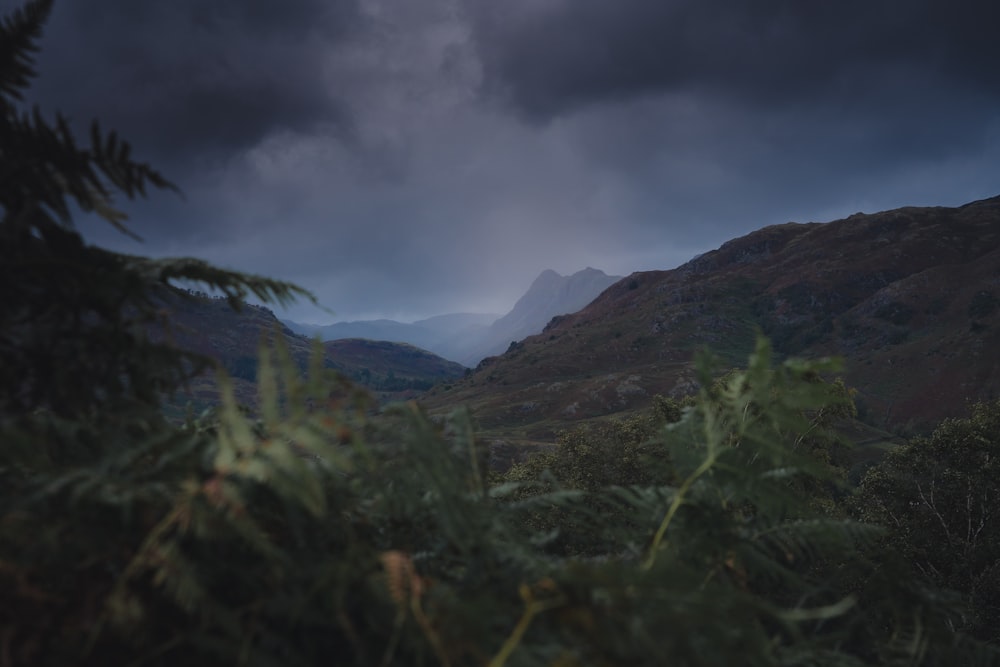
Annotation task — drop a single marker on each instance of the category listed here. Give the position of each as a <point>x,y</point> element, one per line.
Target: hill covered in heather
<point>909,298</point>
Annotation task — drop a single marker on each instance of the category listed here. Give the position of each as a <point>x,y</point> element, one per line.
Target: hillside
<point>909,298</point>
<point>392,371</point>
<point>390,330</point>
<point>390,367</point>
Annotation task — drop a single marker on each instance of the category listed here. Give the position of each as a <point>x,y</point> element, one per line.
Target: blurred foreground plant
<point>314,532</point>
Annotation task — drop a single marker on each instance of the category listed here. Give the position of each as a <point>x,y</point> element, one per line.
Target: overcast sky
<point>405,158</point>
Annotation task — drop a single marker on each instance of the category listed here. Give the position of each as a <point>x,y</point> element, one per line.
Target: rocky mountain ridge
<point>909,298</point>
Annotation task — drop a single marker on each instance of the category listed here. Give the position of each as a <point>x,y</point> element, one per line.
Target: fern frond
<point>20,32</point>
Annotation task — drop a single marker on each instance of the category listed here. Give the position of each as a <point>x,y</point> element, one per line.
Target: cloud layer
<point>408,159</point>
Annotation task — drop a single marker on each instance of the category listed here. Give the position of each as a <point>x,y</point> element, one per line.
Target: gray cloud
<point>406,159</point>
<point>189,79</point>
<point>553,56</point>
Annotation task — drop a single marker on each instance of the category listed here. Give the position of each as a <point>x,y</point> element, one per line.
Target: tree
<point>940,498</point>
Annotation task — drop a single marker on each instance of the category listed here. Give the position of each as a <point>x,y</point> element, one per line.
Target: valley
<point>907,299</point>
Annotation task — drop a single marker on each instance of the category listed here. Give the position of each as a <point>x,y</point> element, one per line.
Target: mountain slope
<point>910,298</point>
<point>445,335</point>
<point>390,367</point>
<point>393,371</point>
<point>549,295</point>
<point>388,330</point>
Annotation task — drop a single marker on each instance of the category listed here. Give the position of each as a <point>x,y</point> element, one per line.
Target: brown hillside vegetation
<point>908,297</point>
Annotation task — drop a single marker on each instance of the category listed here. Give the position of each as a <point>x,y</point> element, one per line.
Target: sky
<point>407,158</point>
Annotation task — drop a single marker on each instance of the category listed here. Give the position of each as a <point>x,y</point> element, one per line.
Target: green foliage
<point>940,499</point>
<point>619,452</point>
<point>614,452</point>
<point>310,532</point>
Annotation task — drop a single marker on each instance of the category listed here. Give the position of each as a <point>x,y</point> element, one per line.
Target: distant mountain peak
<point>546,277</point>
<point>550,294</point>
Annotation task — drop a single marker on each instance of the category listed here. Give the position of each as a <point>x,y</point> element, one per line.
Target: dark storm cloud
<point>406,158</point>
<point>186,79</point>
<point>548,57</point>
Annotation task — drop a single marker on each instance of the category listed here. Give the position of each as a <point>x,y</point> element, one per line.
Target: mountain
<point>549,295</point>
<point>392,371</point>
<point>469,337</point>
<point>453,323</point>
<point>389,330</point>
<point>390,368</point>
<point>445,335</point>
<point>909,298</point>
